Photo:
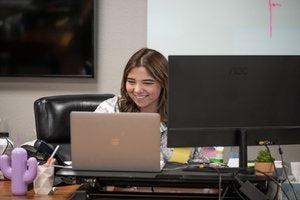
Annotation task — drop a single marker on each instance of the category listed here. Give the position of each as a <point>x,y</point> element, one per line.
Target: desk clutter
<point>22,171</point>
<point>177,178</point>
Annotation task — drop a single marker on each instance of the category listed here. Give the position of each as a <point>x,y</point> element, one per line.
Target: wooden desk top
<point>60,193</point>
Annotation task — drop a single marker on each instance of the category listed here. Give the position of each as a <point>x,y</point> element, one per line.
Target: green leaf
<point>264,156</point>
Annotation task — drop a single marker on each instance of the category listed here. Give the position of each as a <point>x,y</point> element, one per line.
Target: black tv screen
<point>52,38</point>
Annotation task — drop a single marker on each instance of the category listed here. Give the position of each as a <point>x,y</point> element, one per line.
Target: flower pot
<point>265,167</point>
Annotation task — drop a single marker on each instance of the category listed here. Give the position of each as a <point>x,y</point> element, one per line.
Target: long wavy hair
<point>157,66</point>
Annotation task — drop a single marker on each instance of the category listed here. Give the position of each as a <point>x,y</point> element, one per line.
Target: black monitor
<point>234,100</point>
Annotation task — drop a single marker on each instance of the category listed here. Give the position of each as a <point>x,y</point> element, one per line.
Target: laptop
<point>115,141</point>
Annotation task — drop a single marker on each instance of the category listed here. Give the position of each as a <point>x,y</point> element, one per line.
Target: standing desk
<point>165,184</point>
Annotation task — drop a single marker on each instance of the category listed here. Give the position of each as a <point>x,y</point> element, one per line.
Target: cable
<point>220,181</point>
<point>5,148</point>
<point>275,169</point>
<point>225,192</point>
<point>285,172</point>
<point>12,145</point>
<point>284,169</point>
<point>276,182</point>
<point>8,142</point>
<point>280,152</point>
<point>276,195</point>
<point>237,191</point>
<point>268,149</point>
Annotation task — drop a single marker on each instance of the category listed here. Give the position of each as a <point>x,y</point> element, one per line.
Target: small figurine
<point>21,172</point>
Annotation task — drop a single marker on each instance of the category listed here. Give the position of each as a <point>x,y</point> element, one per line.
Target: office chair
<point>52,117</point>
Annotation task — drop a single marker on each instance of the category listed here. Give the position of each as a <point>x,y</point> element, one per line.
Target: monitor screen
<point>213,98</point>
<point>46,38</point>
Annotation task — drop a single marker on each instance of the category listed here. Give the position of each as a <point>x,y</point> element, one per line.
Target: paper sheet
<point>180,155</point>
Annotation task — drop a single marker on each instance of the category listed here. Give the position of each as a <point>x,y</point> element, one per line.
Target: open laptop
<point>115,141</point>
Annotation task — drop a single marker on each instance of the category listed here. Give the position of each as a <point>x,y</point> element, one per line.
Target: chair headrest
<point>52,114</point>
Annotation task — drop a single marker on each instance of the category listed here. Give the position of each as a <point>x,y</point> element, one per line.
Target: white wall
<point>121,31</point>
<point>224,27</point>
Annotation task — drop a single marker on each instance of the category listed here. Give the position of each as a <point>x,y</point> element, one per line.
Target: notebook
<point>115,141</point>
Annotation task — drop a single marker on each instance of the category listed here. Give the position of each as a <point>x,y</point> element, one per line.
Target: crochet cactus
<point>21,172</point>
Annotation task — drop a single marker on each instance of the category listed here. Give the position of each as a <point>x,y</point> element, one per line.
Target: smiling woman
<point>145,76</point>
<point>144,89</point>
<point>144,86</point>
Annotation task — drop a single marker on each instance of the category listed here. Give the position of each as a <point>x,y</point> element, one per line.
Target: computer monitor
<point>233,100</point>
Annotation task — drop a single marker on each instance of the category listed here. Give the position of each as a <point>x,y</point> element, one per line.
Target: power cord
<point>237,191</point>
<point>285,172</point>
<point>5,148</point>
<point>220,181</point>
<point>265,143</point>
<point>225,192</point>
<point>277,192</point>
<point>249,189</point>
<point>275,169</point>
<point>8,142</point>
<point>276,182</point>
<point>268,149</point>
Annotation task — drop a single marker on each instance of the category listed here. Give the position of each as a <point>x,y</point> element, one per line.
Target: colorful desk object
<point>21,172</point>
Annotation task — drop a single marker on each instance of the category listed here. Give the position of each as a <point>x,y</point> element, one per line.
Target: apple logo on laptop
<point>115,141</point>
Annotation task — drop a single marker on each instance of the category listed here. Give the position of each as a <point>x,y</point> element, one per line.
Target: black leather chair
<point>52,117</point>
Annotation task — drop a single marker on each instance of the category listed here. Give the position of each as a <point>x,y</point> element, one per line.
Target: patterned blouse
<point>111,106</point>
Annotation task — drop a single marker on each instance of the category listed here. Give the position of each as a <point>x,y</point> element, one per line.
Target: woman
<point>144,89</point>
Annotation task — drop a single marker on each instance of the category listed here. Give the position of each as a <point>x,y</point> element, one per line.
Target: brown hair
<point>157,65</point>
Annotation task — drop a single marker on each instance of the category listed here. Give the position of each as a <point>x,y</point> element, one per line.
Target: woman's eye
<point>148,83</point>
<point>130,82</point>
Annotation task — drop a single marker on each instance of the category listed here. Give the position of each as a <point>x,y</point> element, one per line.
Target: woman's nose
<point>137,88</point>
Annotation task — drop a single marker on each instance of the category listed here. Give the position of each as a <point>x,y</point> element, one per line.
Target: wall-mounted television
<point>47,38</point>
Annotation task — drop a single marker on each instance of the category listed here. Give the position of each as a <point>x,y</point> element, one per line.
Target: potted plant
<point>264,163</point>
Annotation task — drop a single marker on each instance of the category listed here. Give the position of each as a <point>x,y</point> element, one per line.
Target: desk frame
<point>94,184</point>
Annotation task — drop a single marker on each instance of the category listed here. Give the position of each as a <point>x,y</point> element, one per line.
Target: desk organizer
<point>21,172</point>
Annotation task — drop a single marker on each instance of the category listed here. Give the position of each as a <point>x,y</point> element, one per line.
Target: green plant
<point>264,156</point>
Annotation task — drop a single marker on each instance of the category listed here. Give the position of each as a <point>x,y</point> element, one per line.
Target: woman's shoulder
<point>109,105</point>
<point>163,127</point>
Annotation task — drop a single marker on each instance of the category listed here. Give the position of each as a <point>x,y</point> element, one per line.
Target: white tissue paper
<point>43,183</point>
<point>295,168</point>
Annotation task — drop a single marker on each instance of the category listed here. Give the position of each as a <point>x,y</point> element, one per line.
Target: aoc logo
<point>239,71</point>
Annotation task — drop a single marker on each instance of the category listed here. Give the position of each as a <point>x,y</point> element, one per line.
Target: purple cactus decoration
<point>21,172</point>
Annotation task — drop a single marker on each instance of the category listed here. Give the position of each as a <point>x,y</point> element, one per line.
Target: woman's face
<point>143,89</point>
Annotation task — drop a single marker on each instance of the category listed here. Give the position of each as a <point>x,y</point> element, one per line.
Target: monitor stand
<point>243,159</point>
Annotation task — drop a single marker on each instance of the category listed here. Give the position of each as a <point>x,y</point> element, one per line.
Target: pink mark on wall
<point>272,5</point>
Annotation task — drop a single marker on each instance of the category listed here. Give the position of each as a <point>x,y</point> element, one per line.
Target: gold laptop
<point>115,141</point>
